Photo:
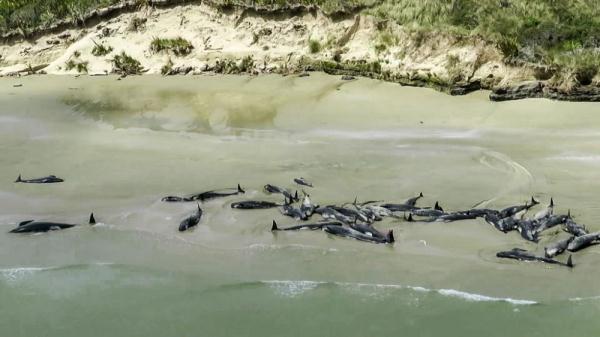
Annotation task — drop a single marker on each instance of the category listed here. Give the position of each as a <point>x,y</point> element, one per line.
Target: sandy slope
<point>276,43</point>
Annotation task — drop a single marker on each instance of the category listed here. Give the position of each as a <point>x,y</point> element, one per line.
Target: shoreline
<point>273,40</point>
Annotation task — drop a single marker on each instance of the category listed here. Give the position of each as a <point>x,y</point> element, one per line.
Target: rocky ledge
<point>541,89</point>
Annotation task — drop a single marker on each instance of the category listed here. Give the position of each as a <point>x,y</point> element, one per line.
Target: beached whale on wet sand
<point>208,195</point>
<point>191,221</point>
<point>44,180</point>
<point>523,255</point>
<point>31,226</point>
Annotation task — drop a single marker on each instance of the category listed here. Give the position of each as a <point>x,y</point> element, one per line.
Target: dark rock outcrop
<point>524,90</point>
<point>460,89</point>
<point>588,93</point>
<point>539,89</point>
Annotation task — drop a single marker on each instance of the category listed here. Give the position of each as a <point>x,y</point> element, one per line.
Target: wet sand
<point>122,145</point>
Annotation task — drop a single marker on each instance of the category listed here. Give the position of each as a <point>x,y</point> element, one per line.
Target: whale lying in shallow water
<point>523,255</point>
<point>44,180</point>
<point>252,204</point>
<point>31,226</point>
<point>204,196</point>
<point>314,226</point>
<point>191,221</point>
<point>354,234</point>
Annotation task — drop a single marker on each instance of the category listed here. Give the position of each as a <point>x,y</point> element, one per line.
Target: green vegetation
<point>247,64</point>
<point>557,34</point>
<point>75,63</point>
<point>314,46</point>
<point>178,46</point>
<point>230,66</point>
<point>126,65</point>
<point>27,15</point>
<point>580,65</point>
<point>327,6</point>
<point>560,36</point>
<point>356,68</point>
<point>137,24</point>
<point>385,40</point>
<point>101,50</point>
<point>167,68</point>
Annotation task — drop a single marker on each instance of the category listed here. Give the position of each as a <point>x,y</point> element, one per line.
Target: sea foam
<point>291,288</point>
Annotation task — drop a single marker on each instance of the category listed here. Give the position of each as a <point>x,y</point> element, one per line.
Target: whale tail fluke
<point>18,179</point>
<point>570,262</point>
<point>240,189</point>
<point>390,236</point>
<point>92,219</point>
<point>274,226</point>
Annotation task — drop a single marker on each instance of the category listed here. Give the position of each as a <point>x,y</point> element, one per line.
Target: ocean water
<point>122,145</point>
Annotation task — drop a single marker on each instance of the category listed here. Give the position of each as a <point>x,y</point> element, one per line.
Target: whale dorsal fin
<point>23,223</point>
<point>240,190</point>
<point>390,236</point>
<point>92,219</point>
<point>274,226</point>
<point>570,262</point>
<point>18,179</point>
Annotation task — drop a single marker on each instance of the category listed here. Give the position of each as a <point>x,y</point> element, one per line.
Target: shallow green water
<point>122,145</point>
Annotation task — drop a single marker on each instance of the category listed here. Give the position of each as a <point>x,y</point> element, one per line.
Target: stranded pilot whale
<point>408,205</point>
<point>276,189</point>
<point>583,241</point>
<point>31,226</point>
<point>354,234</point>
<point>191,221</point>
<point>558,247</point>
<point>204,196</point>
<point>44,180</point>
<point>523,255</point>
<point>311,227</point>
<point>512,210</point>
<point>252,204</point>
<point>302,181</point>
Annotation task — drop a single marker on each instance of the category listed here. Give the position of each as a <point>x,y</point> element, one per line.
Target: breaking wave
<point>577,158</point>
<point>291,288</point>
<point>579,299</point>
<point>20,273</point>
<point>293,246</point>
